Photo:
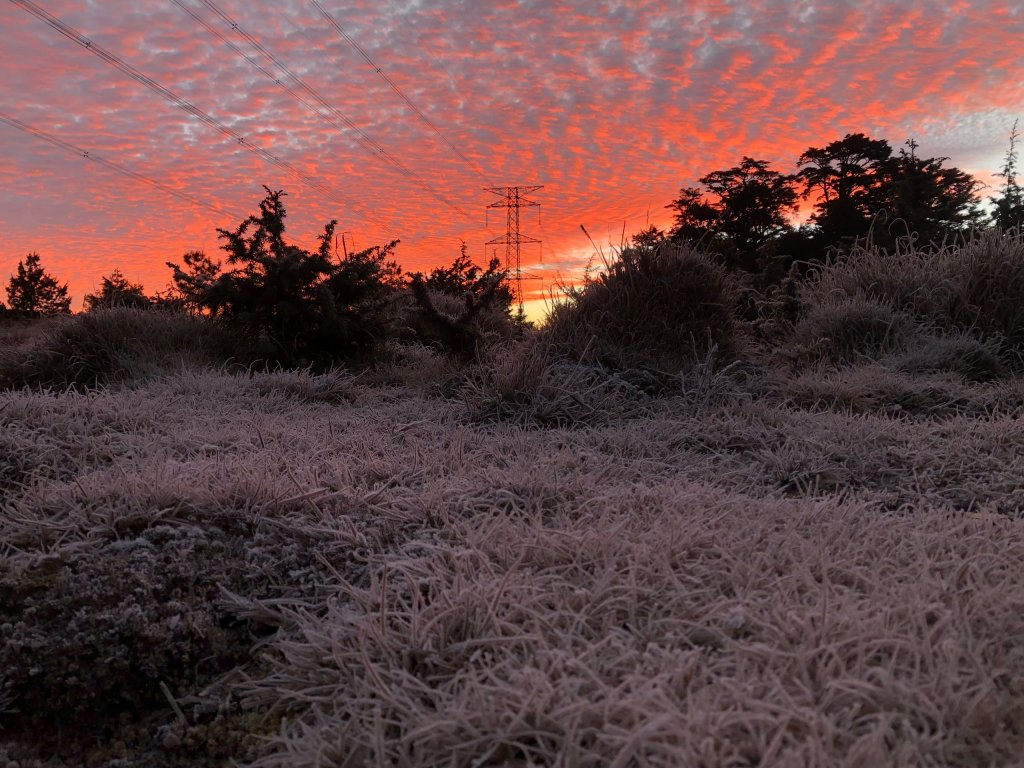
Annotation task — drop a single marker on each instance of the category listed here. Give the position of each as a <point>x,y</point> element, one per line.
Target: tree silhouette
<point>34,292</point>
<point>116,291</point>
<point>747,207</point>
<point>850,178</point>
<point>696,219</point>
<point>301,305</point>
<point>1009,206</point>
<point>648,238</point>
<point>932,201</point>
<point>193,281</point>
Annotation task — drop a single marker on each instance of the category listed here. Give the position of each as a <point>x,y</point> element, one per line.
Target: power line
<point>394,87</point>
<point>333,114</point>
<point>86,154</point>
<point>255,64</point>
<point>186,106</point>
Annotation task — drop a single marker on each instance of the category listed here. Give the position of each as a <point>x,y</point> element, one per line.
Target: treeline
<point>859,187</point>
<point>294,306</point>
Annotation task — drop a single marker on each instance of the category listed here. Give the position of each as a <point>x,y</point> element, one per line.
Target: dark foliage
<point>477,299</point>
<point>849,176</point>
<point>302,306</point>
<point>932,202</point>
<point>859,186</point>
<point>747,208</point>
<point>33,292</point>
<point>192,282</point>
<point>116,291</point>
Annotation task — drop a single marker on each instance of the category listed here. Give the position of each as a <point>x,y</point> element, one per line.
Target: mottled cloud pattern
<point>611,105</point>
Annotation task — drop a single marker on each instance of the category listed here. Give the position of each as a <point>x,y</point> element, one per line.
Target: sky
<point>395,116</point>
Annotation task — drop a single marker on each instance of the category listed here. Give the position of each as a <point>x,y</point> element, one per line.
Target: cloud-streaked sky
<point>611,105</point>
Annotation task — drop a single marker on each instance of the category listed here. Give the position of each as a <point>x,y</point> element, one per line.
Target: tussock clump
<point>333,387</point>
<point>977,286</point>
<point>961,352</point>
<point>846,330</point>
<point>881,388</point>
<point>989,272</point>
<point>657,307</point>
<point>112,346</point>
<point>528,384</point>
<point>409,364</point>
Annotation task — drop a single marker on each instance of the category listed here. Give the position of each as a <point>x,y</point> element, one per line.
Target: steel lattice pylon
<point>512,199</point>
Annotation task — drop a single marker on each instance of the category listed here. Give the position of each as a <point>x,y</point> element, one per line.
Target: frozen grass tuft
<point>112,346</point>
<point>974,287</point>
<point>529,384</point>
<point>665,627</point>
<point>849,330</point>
<point>659,308</point>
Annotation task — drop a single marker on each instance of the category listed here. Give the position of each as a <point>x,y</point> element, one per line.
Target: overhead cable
<point>332,113</point>
<point>186,106</point>
<point>398,91</point>
<point>88,155</point>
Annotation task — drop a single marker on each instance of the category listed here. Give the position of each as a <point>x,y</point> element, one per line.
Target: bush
<point>117,291</point>
<point>113,345</point>
<point>661,307</point>
<point>302,306</point>
<point>461,307</point>
<point>975,287</point>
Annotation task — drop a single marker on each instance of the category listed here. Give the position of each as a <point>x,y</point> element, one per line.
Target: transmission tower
<point>512,199</point>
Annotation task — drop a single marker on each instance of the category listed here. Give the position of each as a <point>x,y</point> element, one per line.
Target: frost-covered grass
<point>815,568</point>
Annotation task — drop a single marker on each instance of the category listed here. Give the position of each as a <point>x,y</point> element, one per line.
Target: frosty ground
<point>403,568</point>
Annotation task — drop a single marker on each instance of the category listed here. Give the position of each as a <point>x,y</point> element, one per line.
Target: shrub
<point>113,345</point>
<point>303,306</point>
<point>460,307</point>
<point>662,307</point>
<point>461,321</point>
<point>117,291</point>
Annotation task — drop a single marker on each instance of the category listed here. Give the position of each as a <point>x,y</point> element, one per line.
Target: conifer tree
<point>34,292</point>
<point>1009,206</point>
<point>117,291</point>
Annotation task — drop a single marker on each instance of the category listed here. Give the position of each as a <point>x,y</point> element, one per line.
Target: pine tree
<point>116,291</point>
<point>32,291</point>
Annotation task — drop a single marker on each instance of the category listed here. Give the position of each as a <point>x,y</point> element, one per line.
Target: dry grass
<point>751,570</point>
<point>111,346</point>
<point>975,287</point>
<point>660,308</point>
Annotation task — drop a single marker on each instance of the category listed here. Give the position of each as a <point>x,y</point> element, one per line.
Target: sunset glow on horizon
<point>394,116</point>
